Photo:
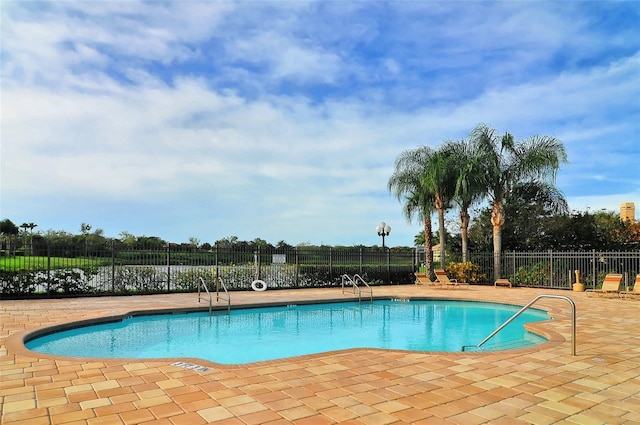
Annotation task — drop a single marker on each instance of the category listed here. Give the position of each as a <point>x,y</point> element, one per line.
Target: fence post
<point>113,266</point>
<point>593,274</point>
<point>360,260</point>
<point>256,260</point>
<point>389,266</point>
<point>551,267</point>
<point>168,267</point>
<point>48,267</point>
<point>513,259</point>
<point>330,265</point>
<point>297,281</point>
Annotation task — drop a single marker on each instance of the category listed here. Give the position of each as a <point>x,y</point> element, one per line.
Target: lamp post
<point>383,230</point>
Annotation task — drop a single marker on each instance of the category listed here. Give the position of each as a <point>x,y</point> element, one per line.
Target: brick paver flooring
<point>542,385</point>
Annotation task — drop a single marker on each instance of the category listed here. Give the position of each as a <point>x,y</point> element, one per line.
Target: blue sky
<point>282,120</point>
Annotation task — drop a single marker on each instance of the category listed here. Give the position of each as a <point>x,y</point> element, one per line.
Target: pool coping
<point>16,343</point>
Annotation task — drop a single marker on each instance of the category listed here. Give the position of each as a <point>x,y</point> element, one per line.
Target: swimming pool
<point>256,334</point>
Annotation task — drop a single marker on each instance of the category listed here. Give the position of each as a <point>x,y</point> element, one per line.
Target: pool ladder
<point>219,284</point>
<point>529,304</point>
<point>357,289</point>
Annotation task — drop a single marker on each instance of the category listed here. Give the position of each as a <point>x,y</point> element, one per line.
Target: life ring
<point>258,285</point>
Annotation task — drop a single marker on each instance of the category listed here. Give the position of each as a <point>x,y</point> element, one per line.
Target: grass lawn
<point>42,263</point>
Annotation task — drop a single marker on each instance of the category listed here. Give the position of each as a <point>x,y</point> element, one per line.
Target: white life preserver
<point>258,285</point>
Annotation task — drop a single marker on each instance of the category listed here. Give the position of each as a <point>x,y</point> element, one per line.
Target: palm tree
<point>407,182</point>
<point>439,178</point>
<point>84,229</point>
<point>508,163</point>
<point>29,226</point>
<point>469,186</point>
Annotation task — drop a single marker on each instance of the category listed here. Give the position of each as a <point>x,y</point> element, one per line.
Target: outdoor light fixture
<point>383,230</point>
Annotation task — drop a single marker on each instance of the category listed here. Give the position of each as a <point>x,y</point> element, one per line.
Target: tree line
<point>22,240</point>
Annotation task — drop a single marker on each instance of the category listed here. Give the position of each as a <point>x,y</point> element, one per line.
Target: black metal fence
<point>556,269</point>
<point>117,268</point>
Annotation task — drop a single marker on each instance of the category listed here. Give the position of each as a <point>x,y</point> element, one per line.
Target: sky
<point>282,120</point>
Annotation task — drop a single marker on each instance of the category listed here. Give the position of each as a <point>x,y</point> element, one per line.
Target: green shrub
<point>535,275</point>
<point>188,280</point>
<point>465,272</point>
<point>72,281</point>
<point>17,282</point>
<point>139,279</point>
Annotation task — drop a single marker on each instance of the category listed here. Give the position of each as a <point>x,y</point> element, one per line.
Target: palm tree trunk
<point>428,243</point>
<point>497,221</point>
<point>442,239</point>
<point>497,248</point>
<point>439,204</point>
<point>464,232</point>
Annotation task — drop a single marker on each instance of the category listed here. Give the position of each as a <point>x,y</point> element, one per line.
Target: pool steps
<point>529,304</point>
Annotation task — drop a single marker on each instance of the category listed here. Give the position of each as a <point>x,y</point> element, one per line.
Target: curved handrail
<point>346,277</point>
<point>529,304</point>
<point>218,296</point>
<point>203,284</point>
<point>219,283</point>
<point>356,288</point>
<point>358,277</point>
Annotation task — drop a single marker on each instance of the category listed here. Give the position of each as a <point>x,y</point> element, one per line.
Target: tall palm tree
<point>469,186</point>
<point>407,182</point>
<point>439,178</point>
<point>29,226</point>
<point>508,163</point>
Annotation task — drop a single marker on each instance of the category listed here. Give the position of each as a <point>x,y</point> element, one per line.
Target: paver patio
<point>541,385</point>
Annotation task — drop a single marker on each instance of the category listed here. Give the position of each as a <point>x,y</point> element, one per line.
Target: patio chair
<point>502,282</point>
<point>610,286</point>
<point>423,280</point>
<point>635,291</point>
<point>449,283</point>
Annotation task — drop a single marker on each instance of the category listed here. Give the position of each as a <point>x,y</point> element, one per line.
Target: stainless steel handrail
<point>218,296</point>
<point>219,283</point>
<point>529,304</point>
<point>346,277</point>
<point>358,277</point>
<point>203,284</point>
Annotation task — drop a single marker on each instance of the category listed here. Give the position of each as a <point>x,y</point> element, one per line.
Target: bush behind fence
<point>120,269</point>
<point>116,268</point>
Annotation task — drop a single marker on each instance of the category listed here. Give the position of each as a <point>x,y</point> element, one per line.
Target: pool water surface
<point>257,334</point>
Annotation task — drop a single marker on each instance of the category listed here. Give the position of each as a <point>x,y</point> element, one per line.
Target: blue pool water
<point>256,334</point>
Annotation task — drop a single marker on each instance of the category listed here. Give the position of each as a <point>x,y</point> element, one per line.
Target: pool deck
<point>541,385</point>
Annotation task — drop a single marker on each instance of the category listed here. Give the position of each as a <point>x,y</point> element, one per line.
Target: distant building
<point>628,212</point>
<point>436,251</point>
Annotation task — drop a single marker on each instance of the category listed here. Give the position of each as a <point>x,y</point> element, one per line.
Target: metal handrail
<point>358,277</point>
<point>203,284</point>
<point>220,283</point>
<point>346,277</point>
<point>529,304</point>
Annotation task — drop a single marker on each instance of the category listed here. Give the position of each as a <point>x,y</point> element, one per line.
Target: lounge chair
<point>449,283</point>
<point>502,282</point>
<point>610,286</point>
<point>423,280</point>
<point>635,291</point>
